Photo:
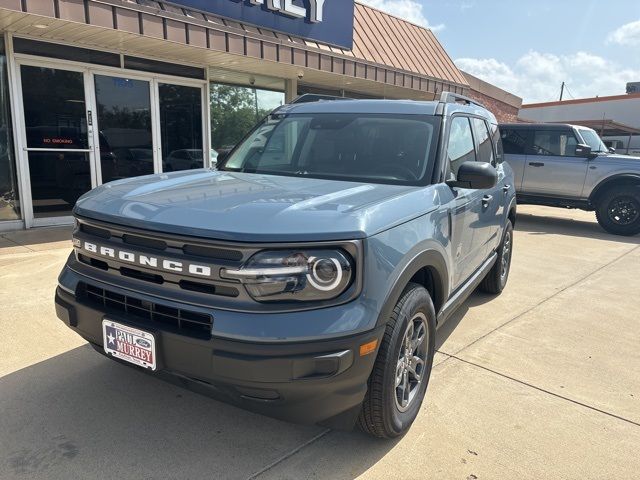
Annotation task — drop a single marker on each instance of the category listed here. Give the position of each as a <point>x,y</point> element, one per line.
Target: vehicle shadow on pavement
<point>544,225</point>
<point>80,415</point>
<point>476,299</point>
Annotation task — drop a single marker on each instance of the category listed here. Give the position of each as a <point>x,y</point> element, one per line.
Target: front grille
<point>178,320</point>
<point>162,246</point>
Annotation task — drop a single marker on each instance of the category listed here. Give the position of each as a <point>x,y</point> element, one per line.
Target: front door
<point>552,168</point>
<point>57,141</point>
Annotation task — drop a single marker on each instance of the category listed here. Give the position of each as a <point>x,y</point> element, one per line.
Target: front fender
<point>394,257</point>
<point>604,184</point>
<point>434,260</point>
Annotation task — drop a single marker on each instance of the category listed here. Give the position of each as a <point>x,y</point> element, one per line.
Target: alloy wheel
<point>623,210</point>
<point>411,362</point>
<point>506,255</point>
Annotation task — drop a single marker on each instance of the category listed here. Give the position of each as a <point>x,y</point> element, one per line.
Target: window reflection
<point>124,120</point>
<point>54,108</point>
<point>181,127</point>
<point>58,179</point>
<point>236,110</point>
<point>9,201</point>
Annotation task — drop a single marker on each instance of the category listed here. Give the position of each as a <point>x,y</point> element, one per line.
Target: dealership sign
<point>327,21</point>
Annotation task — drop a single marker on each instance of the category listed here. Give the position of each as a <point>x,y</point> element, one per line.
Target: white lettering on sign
<point>316,8</point>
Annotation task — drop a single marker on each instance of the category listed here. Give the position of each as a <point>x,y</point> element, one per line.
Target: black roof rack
<point>449,97</point>
<point>315,97</point>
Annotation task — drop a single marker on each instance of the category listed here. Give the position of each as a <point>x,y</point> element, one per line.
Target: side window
<point>497,141</point>
<point>460,146</point>
<point>485,147</point>
<point>514,141</point>
<point>560,143</point>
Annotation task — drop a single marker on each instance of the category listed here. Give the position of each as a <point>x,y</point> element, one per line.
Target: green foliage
<point>234,111</point>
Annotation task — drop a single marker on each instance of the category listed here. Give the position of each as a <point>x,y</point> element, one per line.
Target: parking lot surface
<point>540,382</point>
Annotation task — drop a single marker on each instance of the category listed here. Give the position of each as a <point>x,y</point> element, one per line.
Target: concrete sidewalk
<point>540,382</point>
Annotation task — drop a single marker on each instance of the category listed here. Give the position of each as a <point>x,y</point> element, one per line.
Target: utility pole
<point>562,91</point>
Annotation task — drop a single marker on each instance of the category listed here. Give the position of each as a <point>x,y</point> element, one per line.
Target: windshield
<point>356,147</point>
<point>593,140</point>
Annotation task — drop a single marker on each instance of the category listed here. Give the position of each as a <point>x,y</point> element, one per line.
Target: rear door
<point>469,233</point>
<point>552,168</point>
<point>492,204</point>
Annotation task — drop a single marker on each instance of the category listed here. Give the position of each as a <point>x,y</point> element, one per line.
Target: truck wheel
<point>618,210</point>
<point>496,279</point>
<point>402,369</point>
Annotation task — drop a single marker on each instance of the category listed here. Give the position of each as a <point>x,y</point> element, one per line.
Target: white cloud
<point>410,10</point>
<point>537,76</point>
<point>628,35</point>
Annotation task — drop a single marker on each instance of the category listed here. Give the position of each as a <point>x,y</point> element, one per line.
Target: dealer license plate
<point>129,344</point>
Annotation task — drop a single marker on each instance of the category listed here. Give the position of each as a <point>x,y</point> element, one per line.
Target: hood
<point>252,207</point>
<point>617,158</point>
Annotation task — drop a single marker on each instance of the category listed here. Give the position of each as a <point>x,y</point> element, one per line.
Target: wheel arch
<point>622,179</point>
<point>429,269</point>
<point>512,212</point>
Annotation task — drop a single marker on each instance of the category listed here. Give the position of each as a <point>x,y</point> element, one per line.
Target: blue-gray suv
<point>306,277</point>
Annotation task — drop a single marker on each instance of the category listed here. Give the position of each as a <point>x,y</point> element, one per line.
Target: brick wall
<point>504,112</point>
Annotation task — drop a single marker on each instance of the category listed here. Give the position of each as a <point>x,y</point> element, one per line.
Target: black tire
<point>618,210</point>
<point>497,278</point>
<point>382,415</point>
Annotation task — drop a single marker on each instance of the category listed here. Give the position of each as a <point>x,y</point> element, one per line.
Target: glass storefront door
<point>181,127</point>
<point>124,127</point>
<point>57,138</point>
<point>82,128</point>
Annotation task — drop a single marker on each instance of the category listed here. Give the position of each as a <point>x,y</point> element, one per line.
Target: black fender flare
<point>431,258</point>
<point>513,205</point>
<point>604,184</point>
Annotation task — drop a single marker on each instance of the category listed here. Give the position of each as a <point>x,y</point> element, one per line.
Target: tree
<point>234,111</point>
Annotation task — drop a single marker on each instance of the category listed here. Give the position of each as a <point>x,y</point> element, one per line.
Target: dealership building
<point>97,90</point>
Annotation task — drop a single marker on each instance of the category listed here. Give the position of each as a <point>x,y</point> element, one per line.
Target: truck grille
<point>161,247</point>
<point>182,321</point>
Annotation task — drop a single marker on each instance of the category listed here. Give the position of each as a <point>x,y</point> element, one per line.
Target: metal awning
<point>606,128</point>
<point>412,64</point>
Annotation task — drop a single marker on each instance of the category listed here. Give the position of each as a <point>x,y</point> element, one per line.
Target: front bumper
<point>313,382</point>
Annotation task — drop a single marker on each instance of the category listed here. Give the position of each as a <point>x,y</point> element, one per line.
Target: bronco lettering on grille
<point>144,260</point>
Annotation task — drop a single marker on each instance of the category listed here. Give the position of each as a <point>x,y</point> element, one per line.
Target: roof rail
<point>450,97</point>
<point>315,97</point>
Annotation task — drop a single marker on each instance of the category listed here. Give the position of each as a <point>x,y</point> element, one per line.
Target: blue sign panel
<point>327,21</point>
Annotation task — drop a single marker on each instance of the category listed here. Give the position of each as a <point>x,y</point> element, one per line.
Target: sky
<point>529,47</point>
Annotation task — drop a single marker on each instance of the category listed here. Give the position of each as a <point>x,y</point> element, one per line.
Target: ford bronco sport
<point>305,278</point>
<point>569,166</point>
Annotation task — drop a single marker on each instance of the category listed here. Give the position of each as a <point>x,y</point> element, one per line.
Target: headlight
<point>293,275</point>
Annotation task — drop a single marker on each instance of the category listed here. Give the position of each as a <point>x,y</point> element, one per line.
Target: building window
<point>9,201</point>
<point>236,110</point>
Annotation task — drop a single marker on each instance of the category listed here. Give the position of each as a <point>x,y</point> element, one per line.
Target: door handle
<point>486,200</point>
<point>536,164</point>
<point>506,189</point>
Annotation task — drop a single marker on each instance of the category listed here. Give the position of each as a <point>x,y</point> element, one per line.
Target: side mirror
<point>612,150</point>
<point>583,150</point>
<point>475,175</point>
